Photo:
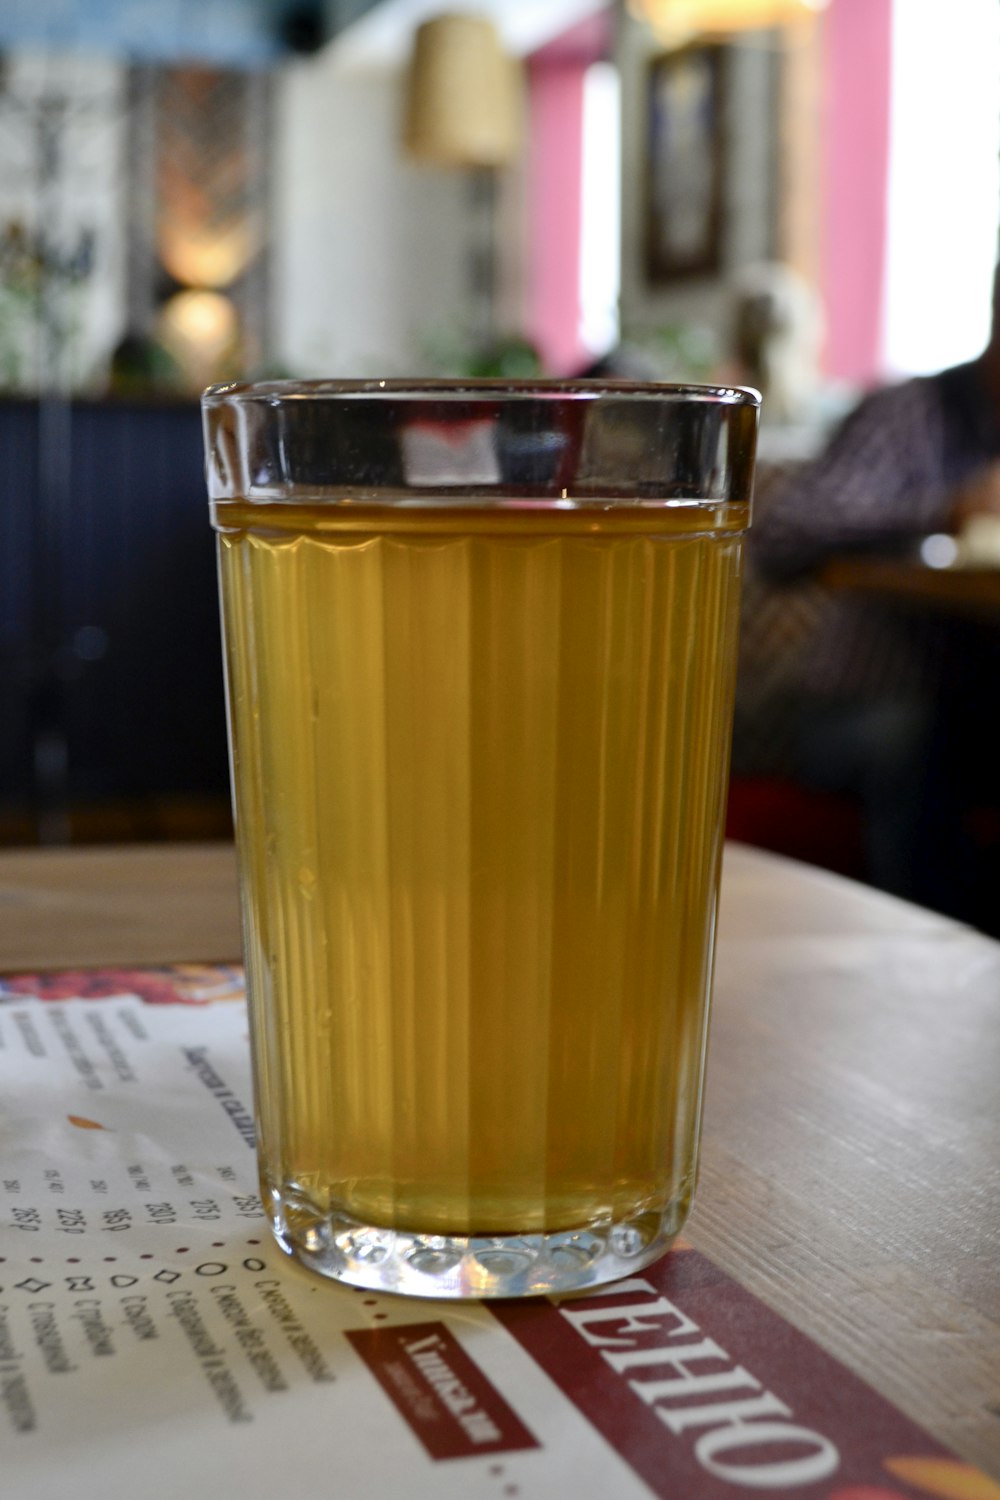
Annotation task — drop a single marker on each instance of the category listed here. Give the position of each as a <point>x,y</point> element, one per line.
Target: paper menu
<point>153,1337</point>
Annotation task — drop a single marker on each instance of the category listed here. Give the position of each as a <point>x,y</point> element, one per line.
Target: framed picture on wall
<point>685,163</point>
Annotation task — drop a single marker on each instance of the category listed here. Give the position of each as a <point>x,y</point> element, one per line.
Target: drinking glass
<point>480,647</point>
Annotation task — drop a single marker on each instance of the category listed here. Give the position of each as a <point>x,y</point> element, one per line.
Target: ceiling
<point>257,33</point>
<point>385,32</point>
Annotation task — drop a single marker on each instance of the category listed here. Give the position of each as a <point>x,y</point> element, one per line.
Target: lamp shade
<point>463,99</point>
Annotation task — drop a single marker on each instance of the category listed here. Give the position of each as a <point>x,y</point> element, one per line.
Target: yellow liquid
<point>480,763</point>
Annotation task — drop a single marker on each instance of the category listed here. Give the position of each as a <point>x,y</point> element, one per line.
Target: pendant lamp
<point>462,96</point>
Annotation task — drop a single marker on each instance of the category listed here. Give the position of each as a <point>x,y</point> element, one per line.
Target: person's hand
<point>979,496</point>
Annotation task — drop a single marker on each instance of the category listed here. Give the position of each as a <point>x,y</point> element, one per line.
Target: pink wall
<point>553,291</point>
<point>555,161</point>
<point>857,53</point>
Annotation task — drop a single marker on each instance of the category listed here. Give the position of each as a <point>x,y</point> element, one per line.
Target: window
<point>944,183</point>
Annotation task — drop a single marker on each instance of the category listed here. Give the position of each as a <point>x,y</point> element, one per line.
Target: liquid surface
<point>480,770</point>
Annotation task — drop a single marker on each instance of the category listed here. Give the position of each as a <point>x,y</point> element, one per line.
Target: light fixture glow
<point>201,330</point>
<point>208,257</point>
<point>677,21</point>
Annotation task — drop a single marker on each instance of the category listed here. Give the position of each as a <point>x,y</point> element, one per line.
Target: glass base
<point>474,1266</point>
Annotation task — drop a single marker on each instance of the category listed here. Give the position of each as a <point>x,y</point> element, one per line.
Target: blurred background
<point>796,195</point>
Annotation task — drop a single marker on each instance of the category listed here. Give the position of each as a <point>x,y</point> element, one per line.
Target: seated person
<point>894,702</point>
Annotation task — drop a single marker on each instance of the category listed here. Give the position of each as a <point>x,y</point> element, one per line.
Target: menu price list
<point>152,1335</point>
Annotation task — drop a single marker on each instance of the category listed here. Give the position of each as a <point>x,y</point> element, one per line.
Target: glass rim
<point>271,392</point>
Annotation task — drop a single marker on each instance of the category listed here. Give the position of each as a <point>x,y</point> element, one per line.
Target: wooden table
<point>974,591</point>
<point>851,1163</point>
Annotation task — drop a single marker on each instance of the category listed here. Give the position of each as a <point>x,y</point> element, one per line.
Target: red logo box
<point>452,1407</point>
